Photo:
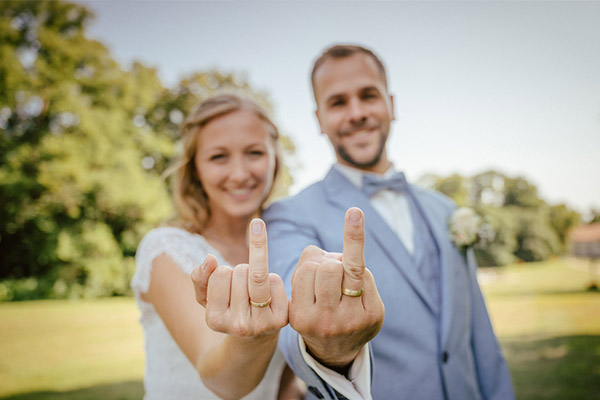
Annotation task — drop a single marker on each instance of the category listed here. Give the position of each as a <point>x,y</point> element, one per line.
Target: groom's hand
<point>335,326</point>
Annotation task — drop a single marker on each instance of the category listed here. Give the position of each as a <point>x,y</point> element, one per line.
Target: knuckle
<point>241,270</point>
<point>311,248</point>
<point>240,327</point>
<point>309,266</point>
<point>312,251</point>
<point>305,269</point>
<point>221,272</point>
<point>332,268</point>
<point>333,255</point>
<point>259,277</point>
<point>258,243</point>
<point>214,320</point>
<point>328,329</point>
<point>355,234</point>
<point>355,270</point>
<point>374,315</point>
<point>282,320</point>
<point>298,320</point>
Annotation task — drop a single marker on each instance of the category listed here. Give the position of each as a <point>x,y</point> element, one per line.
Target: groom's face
<point>354,110</point>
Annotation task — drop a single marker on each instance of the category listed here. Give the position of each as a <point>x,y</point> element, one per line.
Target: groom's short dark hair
<point>343,51</point>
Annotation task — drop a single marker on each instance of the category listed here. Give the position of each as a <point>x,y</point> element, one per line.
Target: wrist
<point>251,342</point>
<point>338,361</point>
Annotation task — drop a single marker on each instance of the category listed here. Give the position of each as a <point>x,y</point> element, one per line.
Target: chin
<point>245,211</point>
<point>365,162</point>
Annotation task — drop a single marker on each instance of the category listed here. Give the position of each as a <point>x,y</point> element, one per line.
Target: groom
<point>436,341</point>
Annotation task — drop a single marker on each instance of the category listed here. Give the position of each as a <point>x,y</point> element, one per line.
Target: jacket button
<point>315,391</point>
<point>445,357</point>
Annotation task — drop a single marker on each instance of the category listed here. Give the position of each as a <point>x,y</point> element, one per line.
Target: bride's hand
<point>247,300</point>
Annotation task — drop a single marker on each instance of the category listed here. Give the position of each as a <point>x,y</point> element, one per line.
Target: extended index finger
<point>259,287</point>
<point>353,258</point>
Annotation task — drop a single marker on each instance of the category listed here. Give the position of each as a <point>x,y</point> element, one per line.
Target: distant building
<point>585,241</point>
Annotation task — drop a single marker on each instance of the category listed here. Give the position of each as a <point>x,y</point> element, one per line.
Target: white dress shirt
<point>394,209</point>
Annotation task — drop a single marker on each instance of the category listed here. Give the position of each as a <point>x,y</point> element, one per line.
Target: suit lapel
<point>441,236</point>
<point>343,194</point>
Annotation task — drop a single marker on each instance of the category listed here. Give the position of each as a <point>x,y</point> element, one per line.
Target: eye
<point>217,157</point>
<point>256,153</point>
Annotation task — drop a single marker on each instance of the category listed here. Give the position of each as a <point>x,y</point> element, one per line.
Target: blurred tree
<point>74,194</point>
<point>594,216</point>
<point>519,192</point>
<point>454,186</point>
<point>525,226</point>
<point>82,145</point>
<point>536,238</point>
<point>501,250</point>
<point>487,188</point>
<point>562,219</point>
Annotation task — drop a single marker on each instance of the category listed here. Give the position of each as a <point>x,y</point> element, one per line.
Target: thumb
<point>200,276</point>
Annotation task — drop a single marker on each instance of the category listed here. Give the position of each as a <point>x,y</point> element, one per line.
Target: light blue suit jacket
<point>420,352</point>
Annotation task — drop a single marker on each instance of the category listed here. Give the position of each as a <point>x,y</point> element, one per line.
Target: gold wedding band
<point>261,305</point>
<point>352,293</point>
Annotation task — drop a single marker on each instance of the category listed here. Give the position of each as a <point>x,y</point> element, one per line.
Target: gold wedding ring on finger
<point>261,305</point>
<point>352,292</point>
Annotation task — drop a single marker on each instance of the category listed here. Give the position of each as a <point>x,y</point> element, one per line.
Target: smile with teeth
<point>240,192</point>
<point>357,133</point>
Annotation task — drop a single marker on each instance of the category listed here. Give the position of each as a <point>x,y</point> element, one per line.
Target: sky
<point>511,86</point>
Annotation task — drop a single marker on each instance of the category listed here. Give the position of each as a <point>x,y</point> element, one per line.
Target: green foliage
<point>562,219</point>
<point>526,227</point>
<point>594,216</point>
<point>501,250</point>
<point>536,238</point>
<point>83,143</point>
<point>519,192</point>
<point>455,187</point>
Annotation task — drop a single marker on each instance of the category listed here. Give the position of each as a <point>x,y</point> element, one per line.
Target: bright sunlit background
<point>478,85</point>
<point>513,86</point>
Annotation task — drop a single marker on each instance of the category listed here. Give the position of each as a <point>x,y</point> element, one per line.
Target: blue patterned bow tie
<point>372,184</point>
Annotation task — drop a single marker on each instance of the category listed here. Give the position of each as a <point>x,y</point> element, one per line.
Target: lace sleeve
<point>186,249</point>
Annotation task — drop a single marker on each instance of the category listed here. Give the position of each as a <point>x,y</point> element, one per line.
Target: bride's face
<point>235,160</point>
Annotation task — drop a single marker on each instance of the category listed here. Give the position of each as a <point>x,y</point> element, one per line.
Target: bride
<point>223,346</point>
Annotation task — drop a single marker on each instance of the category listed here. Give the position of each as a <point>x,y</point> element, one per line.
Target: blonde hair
<point>188,194</point>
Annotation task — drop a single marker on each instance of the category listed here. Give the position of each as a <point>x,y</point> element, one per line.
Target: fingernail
<point>354,216</point>
<point>256,226</point>
<point>203,266</point>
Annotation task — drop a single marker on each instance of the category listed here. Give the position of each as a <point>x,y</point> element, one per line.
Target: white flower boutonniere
<point>467,229</point>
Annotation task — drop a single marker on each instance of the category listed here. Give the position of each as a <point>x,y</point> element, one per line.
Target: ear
<point>393,113</point>
<point>319,120</point>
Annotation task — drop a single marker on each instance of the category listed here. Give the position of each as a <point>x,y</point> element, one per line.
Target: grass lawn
<point>71,350</point>
<point>549,327</point>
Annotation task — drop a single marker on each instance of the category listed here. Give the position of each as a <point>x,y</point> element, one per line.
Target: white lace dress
<point>169,374</point>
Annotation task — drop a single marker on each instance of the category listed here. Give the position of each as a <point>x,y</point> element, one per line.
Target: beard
<point>344,155</point>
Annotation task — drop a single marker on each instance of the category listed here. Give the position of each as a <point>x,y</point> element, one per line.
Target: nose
<point>239,171</point>
<point>357,112</point>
